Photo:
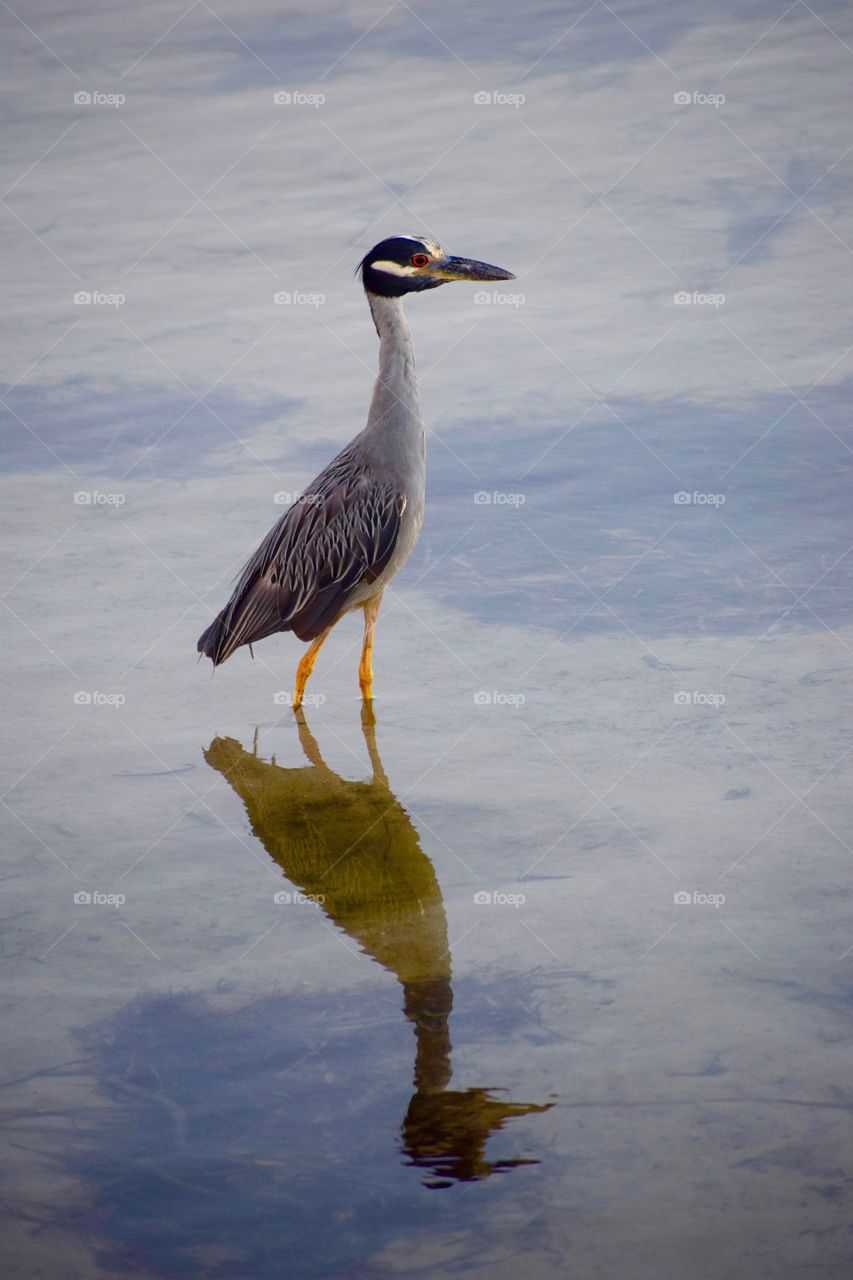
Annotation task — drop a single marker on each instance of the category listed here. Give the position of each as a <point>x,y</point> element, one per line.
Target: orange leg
<point>365,666</point>
<point>306,666</point>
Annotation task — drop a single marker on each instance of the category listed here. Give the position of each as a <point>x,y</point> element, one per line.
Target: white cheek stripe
<point>393,268</point>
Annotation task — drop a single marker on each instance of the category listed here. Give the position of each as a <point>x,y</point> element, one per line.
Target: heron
<point>352,529</point>
<point>353,848</point>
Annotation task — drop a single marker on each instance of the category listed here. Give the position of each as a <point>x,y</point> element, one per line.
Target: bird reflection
<point>353,846</point>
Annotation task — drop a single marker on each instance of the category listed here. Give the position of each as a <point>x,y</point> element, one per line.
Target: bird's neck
<point>396,403</point>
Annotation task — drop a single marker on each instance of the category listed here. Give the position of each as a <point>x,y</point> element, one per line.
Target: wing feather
<point>340,533</point>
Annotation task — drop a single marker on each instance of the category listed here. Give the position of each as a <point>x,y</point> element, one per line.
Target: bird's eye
<point>419,259</point>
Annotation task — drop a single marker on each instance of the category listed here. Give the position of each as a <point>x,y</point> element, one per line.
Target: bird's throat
<point>396,402</point>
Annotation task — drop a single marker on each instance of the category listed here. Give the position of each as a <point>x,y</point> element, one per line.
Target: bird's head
<point>407,264</point>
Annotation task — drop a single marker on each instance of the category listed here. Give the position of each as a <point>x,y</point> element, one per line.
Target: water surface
<point>545,970</point>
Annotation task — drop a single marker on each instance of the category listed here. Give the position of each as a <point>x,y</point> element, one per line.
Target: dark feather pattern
<point>339,534</point>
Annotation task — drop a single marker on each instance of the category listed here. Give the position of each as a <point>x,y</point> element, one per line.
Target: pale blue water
<point>592,695</point>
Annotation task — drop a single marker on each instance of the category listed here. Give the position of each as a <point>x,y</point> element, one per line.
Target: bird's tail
<point>216,643</point>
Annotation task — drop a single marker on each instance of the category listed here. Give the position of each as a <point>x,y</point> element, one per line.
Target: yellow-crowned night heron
<point>353,528</point>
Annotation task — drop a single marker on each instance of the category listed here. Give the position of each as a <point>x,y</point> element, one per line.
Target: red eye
<point>419,259</point>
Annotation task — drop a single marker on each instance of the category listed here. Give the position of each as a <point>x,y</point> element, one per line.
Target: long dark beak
<point>468,269</point>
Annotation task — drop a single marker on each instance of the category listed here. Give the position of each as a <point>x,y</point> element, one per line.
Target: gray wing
<point>339,534</point>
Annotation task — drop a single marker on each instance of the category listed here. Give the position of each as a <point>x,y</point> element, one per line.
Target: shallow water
<point>423,996</point>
